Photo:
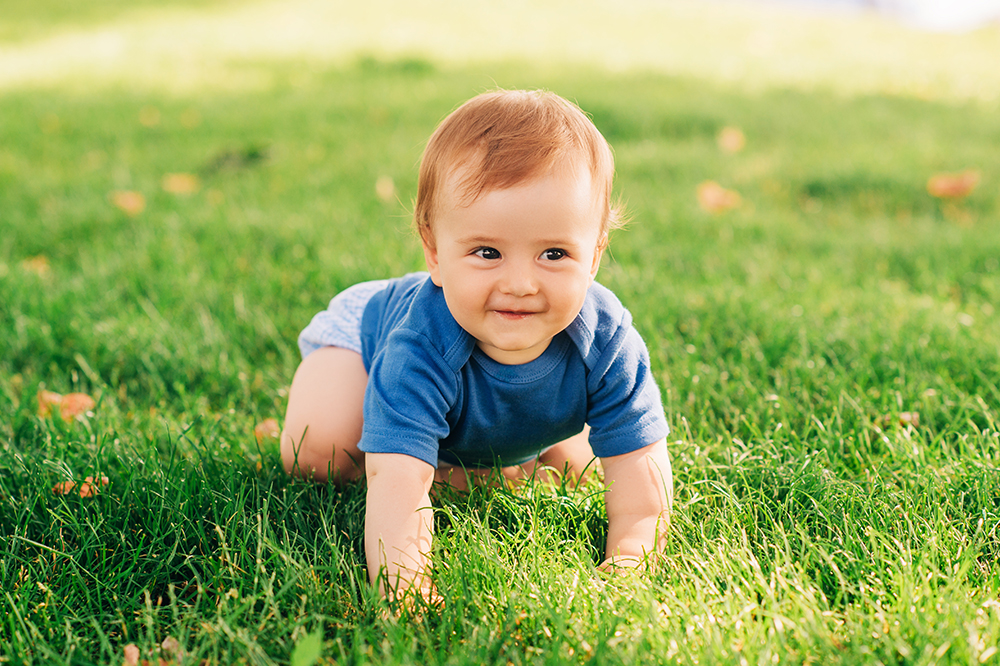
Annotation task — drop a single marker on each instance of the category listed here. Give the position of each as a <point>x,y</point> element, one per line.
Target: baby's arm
<point>640,492</point>
<point>399,522</point>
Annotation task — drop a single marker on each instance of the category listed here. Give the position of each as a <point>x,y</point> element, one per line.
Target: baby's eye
<point>554,254</point>
<point>487,253</point>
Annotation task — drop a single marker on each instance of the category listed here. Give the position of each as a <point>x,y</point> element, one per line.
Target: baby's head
<point>505,138</point>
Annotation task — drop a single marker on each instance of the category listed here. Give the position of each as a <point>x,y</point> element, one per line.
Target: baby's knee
<point>318,456</point>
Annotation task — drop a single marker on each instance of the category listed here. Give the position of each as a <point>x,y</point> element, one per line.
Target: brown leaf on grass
<point>50,123</point>
<point>181,183</point>
<point>70,405</point>
<point>731,139</point>
<point>46,401</point>
<point>953,185</point>
<point>170,645</point>
<point>715,198</point>
<point>75,404</point>
<point>39,265</point>
<point>131,655</point>
<point>267,429</point>
<point>149,116</point>
<point>128,201</point>
<point>191,118</point>
<point>385,188</point>
<point>89,488</point>
<point>904,419</point>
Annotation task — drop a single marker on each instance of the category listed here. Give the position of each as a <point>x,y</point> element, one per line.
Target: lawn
<point>828,352</point>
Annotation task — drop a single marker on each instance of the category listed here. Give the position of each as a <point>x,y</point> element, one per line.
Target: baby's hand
<point>622,564</point>
<point>416,600</point>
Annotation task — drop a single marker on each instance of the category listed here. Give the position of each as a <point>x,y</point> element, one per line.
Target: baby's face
<point>515,265</point>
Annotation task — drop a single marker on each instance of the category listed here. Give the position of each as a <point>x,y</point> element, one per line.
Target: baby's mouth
<point>513,314</point>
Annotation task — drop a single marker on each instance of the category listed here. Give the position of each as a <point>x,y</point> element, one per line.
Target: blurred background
<point>927,48</point>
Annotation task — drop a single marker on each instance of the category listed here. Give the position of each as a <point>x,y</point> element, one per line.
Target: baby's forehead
<point>468,180</point>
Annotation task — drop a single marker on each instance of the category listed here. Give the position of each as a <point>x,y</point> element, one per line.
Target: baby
<point>505,354</point>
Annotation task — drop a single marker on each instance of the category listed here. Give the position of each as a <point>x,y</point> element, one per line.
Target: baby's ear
<point>602,244</point>
<point>431,256</point>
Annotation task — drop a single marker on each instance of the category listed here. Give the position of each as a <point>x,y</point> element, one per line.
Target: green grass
<point>813,524</point>
<point>24,20</point>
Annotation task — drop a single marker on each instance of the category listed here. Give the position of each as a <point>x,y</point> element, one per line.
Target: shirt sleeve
<point>411,390</point>
<point>624,410</point>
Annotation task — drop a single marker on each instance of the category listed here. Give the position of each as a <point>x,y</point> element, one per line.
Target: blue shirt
<point>433,394</point>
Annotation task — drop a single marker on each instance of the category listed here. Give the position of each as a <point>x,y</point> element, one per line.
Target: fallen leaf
<point>131,655</point>
<point>39,265</point>
<point>63,488</point>
<point>50,123</point>
<point>46,401</point>
<point>190,118</point>
<point>170,644</point>
<point>89,488</point>
<point>129,202</point>
<point>180,183</point>
<point>715,198</point>
<point>70,405</point>
<point>953,185</point>
<point>904,419</point>
<point>75,404</point>
<point>731,139</point>
<point>267,429</point>
<point>385,188</point>
<point>149,116</point>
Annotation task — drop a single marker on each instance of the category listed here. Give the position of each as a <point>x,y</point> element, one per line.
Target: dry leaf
<point>46,401</point>
<point>904,419</point>
<point>267,429</point>
<point>129,202</point>
<point>70,405</point>
<point>170,644</point>
<point>385,188</point>
<point>39,265</point>
<point>131,655</point>
<point>89,488</point>
<point>63,488</point>
<point>75,404</point>
<point>149,116</point>
<point>731,139</point>
<point>715,198</point>
<point>180,183</point>
<point>50,123</point>
<point>190,118</point>
<point>953,185</point>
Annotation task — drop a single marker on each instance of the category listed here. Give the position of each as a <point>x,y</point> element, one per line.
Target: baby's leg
<point>324,417</point>
<point>571,456</point>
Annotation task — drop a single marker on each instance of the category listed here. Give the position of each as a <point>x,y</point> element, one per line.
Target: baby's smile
<point>515,264</point>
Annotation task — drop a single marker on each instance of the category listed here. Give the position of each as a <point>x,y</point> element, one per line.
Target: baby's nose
<point>519,281</point>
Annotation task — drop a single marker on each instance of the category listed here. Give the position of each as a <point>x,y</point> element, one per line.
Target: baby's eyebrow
<point>495,240</point>
<point>479,240</point>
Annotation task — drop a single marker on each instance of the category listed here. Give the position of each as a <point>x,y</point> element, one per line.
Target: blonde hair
<point>502,138</point>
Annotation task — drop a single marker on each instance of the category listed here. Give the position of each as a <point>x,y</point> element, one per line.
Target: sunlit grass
<point>751,45</point>
<point>828,353</point>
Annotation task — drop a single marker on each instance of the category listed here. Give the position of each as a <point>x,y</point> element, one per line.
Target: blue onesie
<point>433,394</point>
